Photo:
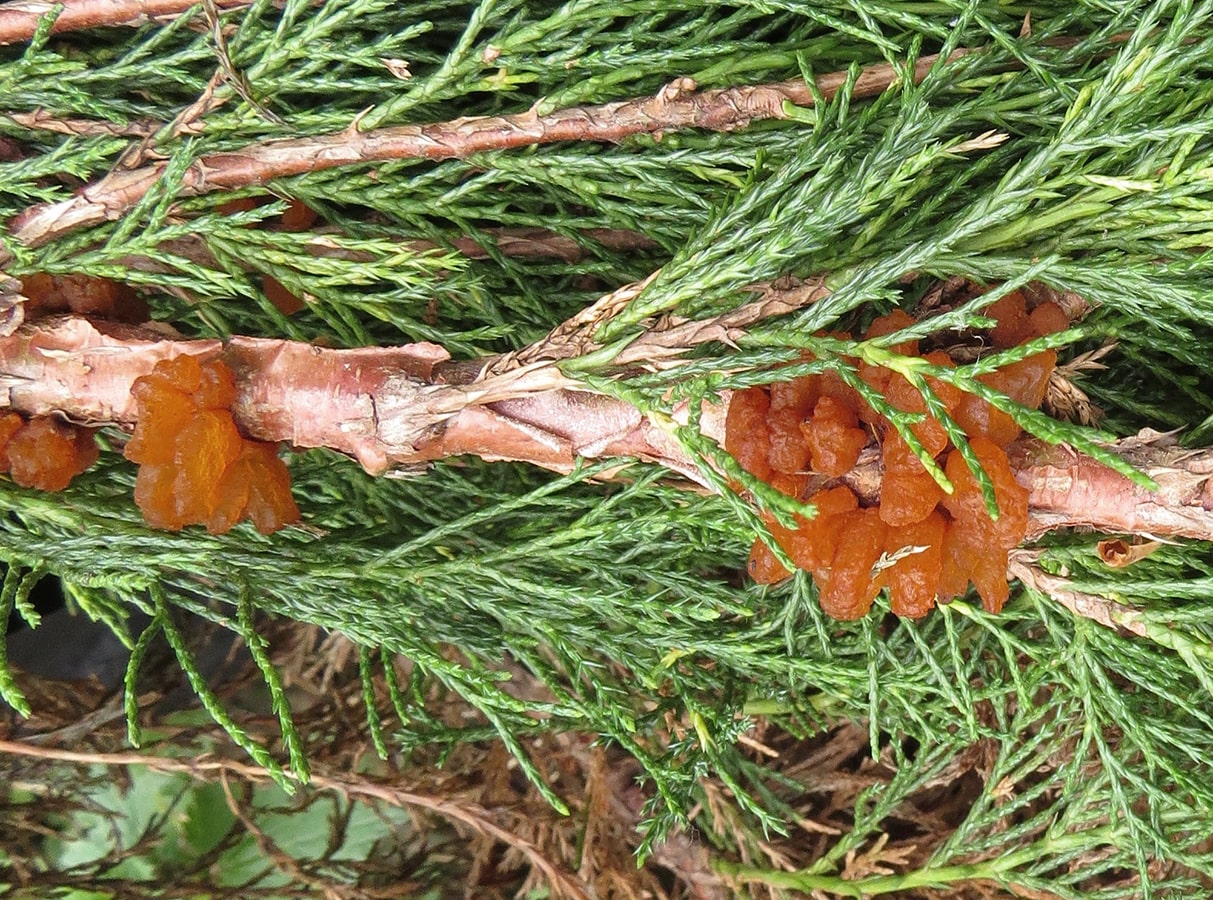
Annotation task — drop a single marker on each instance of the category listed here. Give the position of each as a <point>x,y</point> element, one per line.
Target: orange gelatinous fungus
<point>989,576</point>
<point>833,385</point>
<point>270,504</point>
<point>87,451</point>
<point>849,588</point>
<point>878,376</point>
<point>763,567</point>
<point>1027,381</point>
<point>1048,318</point>
<point>85,295</point>
<point>238,205</point>
<point>897,456</point>
<point>894,321</point>
<point>937,544</point>
<point>791,403</point>
<point>948,393</point>
<point>163,414</point>
<point>814,542</point>
<point>747,436</point>
<point>205,448</point>
<point>195,466</point>
<point>979,544</point>
<point>905,397</point>
<point>1011,313</point>
<point>957,559</point>
<point>967,504</point>
<point>913,579</point>
<point>10,424</point>
<point>47,454</point>
<point>789,453</point>
<point>179,373</point>
<point>834,437</point>
<point>287,303</point>
<point>154,496</point>
<point>908,497</point>
<point>790,485</point>
<point>977,418</point>
<point>298,216</point>
<point>216,387</point>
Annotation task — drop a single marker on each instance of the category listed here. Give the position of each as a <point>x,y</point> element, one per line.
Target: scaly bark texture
<point>19,20</point>
<point>404,406</point>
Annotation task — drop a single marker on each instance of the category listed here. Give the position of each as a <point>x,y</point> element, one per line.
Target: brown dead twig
<point>480,820</point>
<point>1109,613</point>
<point>677,106</point>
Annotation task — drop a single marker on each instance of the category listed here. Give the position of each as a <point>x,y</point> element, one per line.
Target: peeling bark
<point>398,407</point>
<point>19,20</point>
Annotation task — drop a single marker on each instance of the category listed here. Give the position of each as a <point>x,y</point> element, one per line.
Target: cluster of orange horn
<point>921,544</point>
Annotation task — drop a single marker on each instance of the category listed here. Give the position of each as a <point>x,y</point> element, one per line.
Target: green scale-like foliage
<point>1077,155</point>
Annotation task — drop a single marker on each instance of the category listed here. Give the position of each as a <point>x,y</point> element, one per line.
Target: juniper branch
<point>677,106</point>
<point>393,407</point>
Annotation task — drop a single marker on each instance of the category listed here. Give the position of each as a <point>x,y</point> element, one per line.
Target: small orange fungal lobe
<point>270,504</point>
<point>85,295</point>
<point>181,373</point>
<point>913,579</point>
<point>791,403</point>
<point>834,437</point>
<point>1011,314</point>
<point>205,447</point>
<point>977,418</point>
<point>298,216</point>
<point>195,466</point>
<point>1048,318</point>
<point>813,544</point>
<point>989,576</point>
<point>907,398</point>
<point>237,205</point>
<point>957,561</point>
<point>888,324</point>
<point>163,414</point>
<point>154,496</point>
<point>1027,381</point>
<point>849,588</point>
<point>10,424</point>
<point>216,387</point>
<point>287,303</point>
<point>747,436</point>
<point>967,504</point>
<point>908,497</point>
<point>791,485</point>
<point>763,567</point>
<point>47,454</point>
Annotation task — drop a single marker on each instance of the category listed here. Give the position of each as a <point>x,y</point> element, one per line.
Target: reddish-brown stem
<point>19,21</point>
<point>677,106</point>
<point>394,407</point>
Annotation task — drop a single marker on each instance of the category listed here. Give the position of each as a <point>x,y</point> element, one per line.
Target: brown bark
<point>677,106</point>
<point>19,20</point>
<point>396,407</point>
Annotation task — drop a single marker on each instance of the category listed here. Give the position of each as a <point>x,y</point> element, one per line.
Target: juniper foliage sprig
<point>1076,155</point>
